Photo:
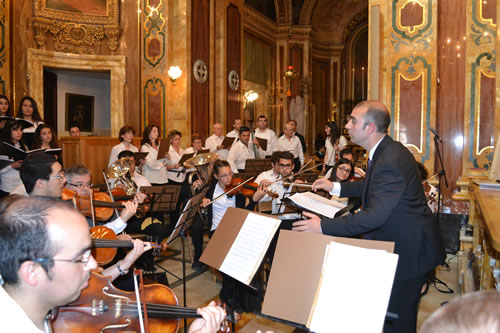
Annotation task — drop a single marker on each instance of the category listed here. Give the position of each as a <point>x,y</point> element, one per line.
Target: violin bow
<point>106,180</point>
<point>231,190</point>
<point>296,174</point>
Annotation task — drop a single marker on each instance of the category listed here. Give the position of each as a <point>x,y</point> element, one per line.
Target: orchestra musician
<point>347,153</point>
<point>273,173</point>
<point>46,263</point>
<point>246,299</point>
<point>394,209</point>
<point>41,175</point>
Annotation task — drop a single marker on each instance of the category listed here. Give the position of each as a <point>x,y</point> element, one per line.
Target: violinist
<point>41,175</point>
<point>78,180</point>
<point>245,299</point>
<point>342,172</point>
<point>273,173</point>
<point>46,263</point>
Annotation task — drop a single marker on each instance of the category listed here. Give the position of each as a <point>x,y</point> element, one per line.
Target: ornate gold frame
<point>75,32</point>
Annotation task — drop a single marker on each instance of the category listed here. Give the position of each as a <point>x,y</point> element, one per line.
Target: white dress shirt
<point>9,179</point>
<point>177,175</point>
<point>331,152</point>
<point>118,149</point>
<point>239,154</point>
<point>12,317</point>
<point>269,175</point>
<point>293,145</point>
<point>213,142</point>
<point>220,207</point>
<point>154,170</point>
<point>272,141</point>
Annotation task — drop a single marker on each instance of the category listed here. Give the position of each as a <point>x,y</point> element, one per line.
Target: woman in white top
<point>9,176</point>
<point>176,172</point>
<point>334,142</point>
<point>155,170</point>
<point>28,110</point>
<point>126,137</point>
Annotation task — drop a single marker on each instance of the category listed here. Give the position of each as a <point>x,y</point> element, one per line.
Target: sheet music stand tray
<point>163,197</point>
<point>254,167</point>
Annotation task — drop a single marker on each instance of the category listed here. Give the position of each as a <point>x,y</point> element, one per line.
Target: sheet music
<point>354,290</point>
<point>249,247</point>
<point>317,203</point>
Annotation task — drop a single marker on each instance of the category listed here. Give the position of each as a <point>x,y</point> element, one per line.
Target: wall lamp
<point>174,72</point>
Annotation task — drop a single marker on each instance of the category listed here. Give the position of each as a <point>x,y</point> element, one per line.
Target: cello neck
<point>112,243</point>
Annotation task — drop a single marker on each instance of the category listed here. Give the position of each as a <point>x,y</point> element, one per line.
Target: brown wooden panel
<point>335,80</point>
<point>233,52</point>
<point>487,112</point>
<point>320,70</point>
<point>296,56</point>
<point>154,109</point>
<point>200,50</point>
<point>410,114</point>
<point>450,92</point>
<point>489,9</point>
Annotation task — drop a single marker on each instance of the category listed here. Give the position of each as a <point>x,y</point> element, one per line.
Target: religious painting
<point>87,7</point>
<point>80,112</point>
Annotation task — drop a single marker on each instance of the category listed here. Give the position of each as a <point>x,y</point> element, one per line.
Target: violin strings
<point>158,308</point>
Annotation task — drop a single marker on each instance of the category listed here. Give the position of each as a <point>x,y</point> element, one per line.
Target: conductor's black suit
<point>394,209</point>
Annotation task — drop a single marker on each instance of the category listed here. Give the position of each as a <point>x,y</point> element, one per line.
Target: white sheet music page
<point>317,203</point>
<point>249,247</point>
<point>354,290</point>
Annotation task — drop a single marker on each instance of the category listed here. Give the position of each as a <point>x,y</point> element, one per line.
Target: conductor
<point>394,209</point>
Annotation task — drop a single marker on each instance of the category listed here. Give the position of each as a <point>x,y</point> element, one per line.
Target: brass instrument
<point>203,167</point>
<point>118,170</point>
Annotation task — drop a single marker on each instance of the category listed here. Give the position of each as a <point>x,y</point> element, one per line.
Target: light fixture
<point>174,72</point>
<point>290,74</point>
<point>249,96</point>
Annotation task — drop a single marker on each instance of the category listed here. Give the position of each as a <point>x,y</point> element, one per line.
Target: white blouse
<point>154,170</point>
<point>177,175</point>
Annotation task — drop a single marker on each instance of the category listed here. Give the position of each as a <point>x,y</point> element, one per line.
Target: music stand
<point>163,199</point>
<point>187,217</point>
<point>254,167</point>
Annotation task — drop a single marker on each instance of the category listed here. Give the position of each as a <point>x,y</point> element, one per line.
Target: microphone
<point>435,134</point>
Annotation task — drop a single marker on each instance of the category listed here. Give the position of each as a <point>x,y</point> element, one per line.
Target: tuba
<point>118,170</point>
<point>203,169</point>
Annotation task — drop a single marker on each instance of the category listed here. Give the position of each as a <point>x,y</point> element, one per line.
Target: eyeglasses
<point>60,175</point>
<point>285,165</point>
<point>83,259</point>
<point>81,185</point>
<point>346,170</point>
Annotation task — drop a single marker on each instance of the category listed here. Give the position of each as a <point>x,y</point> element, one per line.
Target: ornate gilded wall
<point>5,48</point>
<point>408,80</point>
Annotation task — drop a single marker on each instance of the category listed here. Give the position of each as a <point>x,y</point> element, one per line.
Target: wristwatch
<point>121,270</point>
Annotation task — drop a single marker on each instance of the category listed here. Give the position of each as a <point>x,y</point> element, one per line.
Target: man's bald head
<point>375,112</point>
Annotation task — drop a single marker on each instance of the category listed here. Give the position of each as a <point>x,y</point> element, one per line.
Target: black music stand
<point>254,167</point>
<point>187,217</point>
<point>163,199</point>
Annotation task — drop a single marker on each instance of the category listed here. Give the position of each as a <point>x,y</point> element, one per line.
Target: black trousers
<point>404,301</point>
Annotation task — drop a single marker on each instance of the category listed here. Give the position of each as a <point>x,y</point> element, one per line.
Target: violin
<point>101,201</point>
<point>105,244</point>
<point>238,186</point>
<point>103,308</point>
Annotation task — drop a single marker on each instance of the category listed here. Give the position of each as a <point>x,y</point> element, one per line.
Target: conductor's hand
<point>322,184</point>
<point>311,225</point>
<point>205,202</point>
<point>212,317</point>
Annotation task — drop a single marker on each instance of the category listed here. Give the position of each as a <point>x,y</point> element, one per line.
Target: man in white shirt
<point>241,151</point>
<point>236,130</point>
<point>48,262</point>
<point>273,173</point>
<point>42,175</point>
<point>78,180</point>
<point>265,133</point>
<point>291,143</point>
<point>214,142</point>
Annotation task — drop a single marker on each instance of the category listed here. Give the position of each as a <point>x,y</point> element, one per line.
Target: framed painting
<point>78,11</point>
<point>80,112</point>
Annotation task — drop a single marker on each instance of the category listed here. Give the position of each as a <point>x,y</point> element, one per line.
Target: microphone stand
<point>441,173</point>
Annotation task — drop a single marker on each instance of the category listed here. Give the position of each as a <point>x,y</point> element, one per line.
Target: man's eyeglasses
<point>60,175</point>
<point>346,170</point>
<point>81,185</point>
<point>285,165</point>
<point>83,259</point>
